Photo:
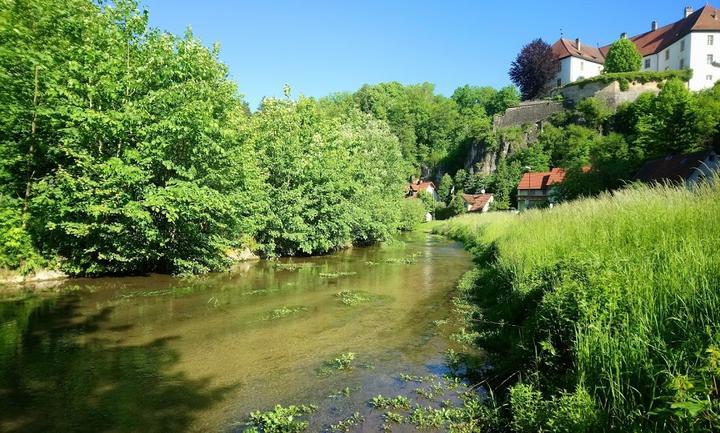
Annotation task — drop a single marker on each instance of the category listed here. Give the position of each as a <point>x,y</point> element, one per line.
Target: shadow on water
<point>56,377</point>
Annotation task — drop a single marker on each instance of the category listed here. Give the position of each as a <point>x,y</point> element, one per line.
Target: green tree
<point>445,189</point>
<point>623,56</point>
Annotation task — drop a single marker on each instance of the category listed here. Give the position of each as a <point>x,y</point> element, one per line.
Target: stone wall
<point>529,112</point>
<point>609,92</point>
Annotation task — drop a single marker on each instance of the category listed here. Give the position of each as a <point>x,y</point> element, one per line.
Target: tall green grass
<point>619,295</point>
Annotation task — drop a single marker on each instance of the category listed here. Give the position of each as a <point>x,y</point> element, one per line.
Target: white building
<point>692,42</point>
<point>576,61</point>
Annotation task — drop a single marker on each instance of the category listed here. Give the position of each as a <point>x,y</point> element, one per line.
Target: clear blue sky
<point>320,47</point>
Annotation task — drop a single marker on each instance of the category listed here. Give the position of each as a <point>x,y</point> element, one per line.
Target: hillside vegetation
<point>126,149</point>
<point>601,314</point>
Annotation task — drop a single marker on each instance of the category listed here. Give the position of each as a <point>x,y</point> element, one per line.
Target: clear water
<point>164,354</point>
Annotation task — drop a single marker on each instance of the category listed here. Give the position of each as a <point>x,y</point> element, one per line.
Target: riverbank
<point>601,314</point>
<point>200,353</point>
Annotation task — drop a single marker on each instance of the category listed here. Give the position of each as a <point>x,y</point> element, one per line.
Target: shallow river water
<point>164,354</point>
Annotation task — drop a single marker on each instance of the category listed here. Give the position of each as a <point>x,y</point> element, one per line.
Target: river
<point>163,354</point>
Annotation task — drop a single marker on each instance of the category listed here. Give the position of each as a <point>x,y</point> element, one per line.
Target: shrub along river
<point>163,354</point>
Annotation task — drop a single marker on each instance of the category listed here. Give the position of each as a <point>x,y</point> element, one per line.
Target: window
<point>559,82</point>
<point>682,45</point>
<point>682,63</point>
<point>711,40</point>
<point>582,66</point>
<point>647,63</point>
<point>710,59</point>
<point>708,77</point>
<point>667,54</point>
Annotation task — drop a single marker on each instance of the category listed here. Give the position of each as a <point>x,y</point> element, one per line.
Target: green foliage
<point>332,181</point>
<point>594,112</point>
<point>639,77</point>
<point>412,213</point>
<point>445,188</point>
<point>16,246</point>
<point>623,56</point>
<point>427,200</point>
<point>280,420</point>
<point>399,402</point>
<point>123,143</point>
<point>628,320</point>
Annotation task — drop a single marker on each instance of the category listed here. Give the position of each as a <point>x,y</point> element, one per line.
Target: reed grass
<point>619,295</point>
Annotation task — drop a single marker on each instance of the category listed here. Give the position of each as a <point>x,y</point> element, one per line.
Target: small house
<point>686,169</point>
<point>478,202</point>
<point>536,188</point>
<point>422,185</point>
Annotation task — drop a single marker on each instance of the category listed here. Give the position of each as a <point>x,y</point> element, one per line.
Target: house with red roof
<point>536,189</point>
<point>478,202</point>
<point>691,42</point>
<point>686,169</point>
<point>422,185</point>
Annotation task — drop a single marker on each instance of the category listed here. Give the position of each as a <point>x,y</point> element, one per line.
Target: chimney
<point>654,26</point>
<point>577,43</point>
<point>688,11</point>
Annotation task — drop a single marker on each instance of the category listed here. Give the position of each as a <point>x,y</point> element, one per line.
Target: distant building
<point>536,189</point>
<point>692,42</point>
<point>478,202</point>
<point>421,185</point>
<point>680,169</point>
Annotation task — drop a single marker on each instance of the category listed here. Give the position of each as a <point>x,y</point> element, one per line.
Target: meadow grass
<point>618,295</point>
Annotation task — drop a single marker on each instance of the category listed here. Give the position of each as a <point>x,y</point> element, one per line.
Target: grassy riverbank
<point>601,314</point>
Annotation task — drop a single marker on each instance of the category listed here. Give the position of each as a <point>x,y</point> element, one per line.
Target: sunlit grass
<point>627,284</point>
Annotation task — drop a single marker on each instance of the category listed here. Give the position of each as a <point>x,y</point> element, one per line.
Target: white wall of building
<point>573,69</point>
<point>705,74</point>
<point>693,56</point>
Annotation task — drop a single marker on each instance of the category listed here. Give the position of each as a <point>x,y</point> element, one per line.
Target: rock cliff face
<point>484,158</point>
<point>517,129</point>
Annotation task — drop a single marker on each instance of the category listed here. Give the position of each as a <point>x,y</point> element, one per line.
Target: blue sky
<point>320,47</point>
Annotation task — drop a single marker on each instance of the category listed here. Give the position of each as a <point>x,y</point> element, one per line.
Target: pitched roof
<point>477,201</point>
<point>420,185</point>
<point>542,180</point>
<point>566,48</point>
<point>673,168</point>
<point>653,42</point>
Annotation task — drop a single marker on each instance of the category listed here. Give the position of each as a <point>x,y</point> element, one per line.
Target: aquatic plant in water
<point>280,419</point>
<point>283,312</point>
<point>399,402</point>
<point>346,424</point>
<point>351,298</point>
<point>336,274</point>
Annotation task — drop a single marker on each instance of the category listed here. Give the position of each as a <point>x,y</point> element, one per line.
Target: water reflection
<point>159,353</point>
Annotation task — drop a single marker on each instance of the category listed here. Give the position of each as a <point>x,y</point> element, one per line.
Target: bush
<point>638,77</point>
<point>623,56</point>
<point>412,213</point>
<point>16,246</point>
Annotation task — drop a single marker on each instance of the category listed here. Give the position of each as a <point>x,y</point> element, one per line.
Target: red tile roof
<point>542,180</point>
<point>416,187</point>
<point>648,43</point>
<point>477,201</point>
<point>673,168</point>
<point>653,42</point>
<point>566,48</point>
